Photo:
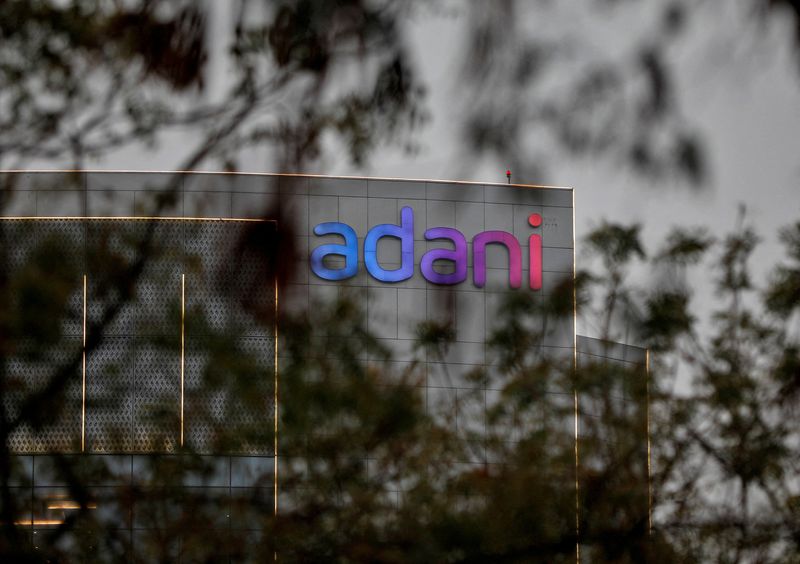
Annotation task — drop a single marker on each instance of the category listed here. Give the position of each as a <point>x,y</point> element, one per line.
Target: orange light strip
<point>649,460</point>
<point>83,383</point>
<point>70,505</point>
<point>38,522</point>
<point>574,384</point>
<point>137,218</point>
<point>286,174</point>
<point>577,486</point>
<point>183,343</point>
<point>275,465</point>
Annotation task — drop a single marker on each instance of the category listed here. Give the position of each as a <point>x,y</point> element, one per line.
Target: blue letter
<point>404,232</point>
<point>349,251</point>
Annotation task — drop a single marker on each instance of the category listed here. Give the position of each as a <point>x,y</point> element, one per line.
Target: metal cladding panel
<point>44,350</point>
<point>614,420</point>
<point>189,351</point>
<point>224,295</point>
<point>469,208</point>
<point>110,322</point>
<point>394,310</point>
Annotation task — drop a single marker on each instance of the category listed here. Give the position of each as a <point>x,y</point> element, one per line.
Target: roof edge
<point>286,174</point>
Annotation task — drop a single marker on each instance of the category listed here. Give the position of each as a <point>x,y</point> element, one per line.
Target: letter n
<point>479,243</point>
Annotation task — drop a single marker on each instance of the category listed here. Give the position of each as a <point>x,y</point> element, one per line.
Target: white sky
<point>738,84</point>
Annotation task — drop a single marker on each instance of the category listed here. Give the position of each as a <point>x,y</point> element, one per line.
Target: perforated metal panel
<point>156,398</point>
<point>207,272</point>
<point>229,388</point>
<point>229,373</point>
<point>149,283</point>
<point>44,279</point>
<point>110,396</point>
<point>29,372</point>
<point>111,250</point>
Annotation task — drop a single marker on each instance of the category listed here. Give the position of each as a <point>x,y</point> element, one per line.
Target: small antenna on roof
<point>508,175</point>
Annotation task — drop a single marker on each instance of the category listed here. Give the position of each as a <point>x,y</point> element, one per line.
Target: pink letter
<point>535,253</point>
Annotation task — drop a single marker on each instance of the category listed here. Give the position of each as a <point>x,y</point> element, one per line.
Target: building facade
<point>144,372</point>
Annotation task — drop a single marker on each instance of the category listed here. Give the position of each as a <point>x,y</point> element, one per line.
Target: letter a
<point>458,257</point>
<point>349,251</point>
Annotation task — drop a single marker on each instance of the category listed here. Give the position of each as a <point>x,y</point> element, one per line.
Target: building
<point>409,251</point>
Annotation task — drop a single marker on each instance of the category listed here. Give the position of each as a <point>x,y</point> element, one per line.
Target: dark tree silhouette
<point>368,473</point>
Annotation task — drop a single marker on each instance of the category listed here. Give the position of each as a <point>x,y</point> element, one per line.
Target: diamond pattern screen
<point>141,335</point>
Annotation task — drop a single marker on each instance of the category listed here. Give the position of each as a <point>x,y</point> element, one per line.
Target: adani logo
<point>457,255</point>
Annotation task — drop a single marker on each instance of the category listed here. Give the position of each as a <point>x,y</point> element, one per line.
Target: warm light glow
<point>69,505</point>
<point>288,174</point>
<point>574,384</point>
<point>83,383</point>
<point>275,464</point>
<point>183,343</point>
<point>136,218</point>
<point>38,522</point>
<point>577,485</point>
<point>649,470</point>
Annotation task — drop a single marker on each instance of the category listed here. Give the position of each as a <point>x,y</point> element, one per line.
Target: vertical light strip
<point>577,486</point>
<point>649,467</point>
<point>574,384</point>
<point>83,370</point>
<point>275,399</point>
<point>183,342</point>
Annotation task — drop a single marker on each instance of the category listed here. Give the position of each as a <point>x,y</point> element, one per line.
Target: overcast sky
<point>745,102</point>
<point>738,84</point>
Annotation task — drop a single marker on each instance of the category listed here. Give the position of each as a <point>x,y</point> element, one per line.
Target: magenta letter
<point>479,243</point>
<point>458,256</point>
<point>535,251</point>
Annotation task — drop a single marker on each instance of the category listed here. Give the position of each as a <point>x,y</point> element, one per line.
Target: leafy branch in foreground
<point>724,389</point>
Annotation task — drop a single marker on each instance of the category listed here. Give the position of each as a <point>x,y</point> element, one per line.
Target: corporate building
<point>143,371</point>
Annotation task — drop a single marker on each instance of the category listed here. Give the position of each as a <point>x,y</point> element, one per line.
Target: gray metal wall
<point>392,311</point>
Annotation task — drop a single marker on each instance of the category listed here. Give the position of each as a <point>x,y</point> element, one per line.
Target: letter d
<point>404,232</point>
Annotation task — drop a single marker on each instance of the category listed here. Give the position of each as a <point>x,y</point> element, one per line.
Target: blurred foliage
<point>79,79</point>
<point>723,395</point>
<point>602,79</point>
<point>83,78</point>
<point>372,467</point>
<point>376,467</point>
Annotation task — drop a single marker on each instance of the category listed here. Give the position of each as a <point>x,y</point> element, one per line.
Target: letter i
<point>535,252</point>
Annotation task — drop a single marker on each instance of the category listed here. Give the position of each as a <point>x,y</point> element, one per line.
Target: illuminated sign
<point>456,256</point>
